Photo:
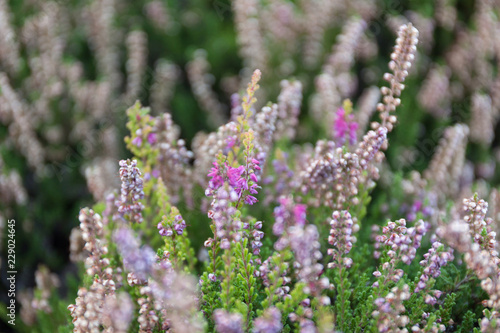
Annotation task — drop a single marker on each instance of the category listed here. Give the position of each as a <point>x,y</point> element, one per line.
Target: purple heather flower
<point>434,259</point>
<point>269,322</point>
<point>137,141</point>
<point>135,259</point>
<point>217,179</point>
<point>152,138</point>
<point>226,322</point>
<point>250,200</point>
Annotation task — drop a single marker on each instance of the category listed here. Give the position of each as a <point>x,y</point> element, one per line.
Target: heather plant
<point>337,206</point>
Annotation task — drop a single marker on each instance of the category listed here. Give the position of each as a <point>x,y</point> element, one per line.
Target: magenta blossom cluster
<point>344,128</point>
<point>239,178</point>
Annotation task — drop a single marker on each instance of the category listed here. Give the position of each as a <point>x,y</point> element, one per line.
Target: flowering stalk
<point>341,238</point>
<point>400,64</point>
<point>172,227</point>
<point>129,206</point>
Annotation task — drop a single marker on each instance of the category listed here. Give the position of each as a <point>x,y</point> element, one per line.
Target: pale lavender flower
<point>269,322</point>
<point>118,311</point>
<point>135,259</point>
<point>226,322</point>
<point>304,242</point>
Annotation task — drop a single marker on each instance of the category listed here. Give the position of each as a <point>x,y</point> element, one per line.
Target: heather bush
<point>279,180</point>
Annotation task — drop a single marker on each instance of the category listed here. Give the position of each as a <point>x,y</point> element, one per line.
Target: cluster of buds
<point>88,308</point>
<point>341,237</point>
<point>478,259</point>
<point>167,228</point>
<point>480,228</point>
<point>400,64</point>
<point>390,309</point>
<point>267,267</point>
<point>265,126</point>
<point>173,159</point>
<point>148,318</point>
<point>253,232</point>
<point>398,238</point>
<point>434,259</point>
<point>131,191</point>
<point>92,234</point>
<point>331,175</point>
<point>401,244</point>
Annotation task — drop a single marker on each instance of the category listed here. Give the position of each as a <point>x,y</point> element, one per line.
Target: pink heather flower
<point>152,138</point>
<point>230,141</point>
<point>137,141</point>
<point>344,128</point>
